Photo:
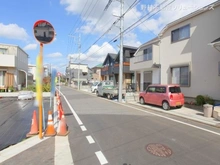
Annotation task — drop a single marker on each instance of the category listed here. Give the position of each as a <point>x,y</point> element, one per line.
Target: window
<point>161,89</point>
<point>2,78</point>
<point>174,90</point>
<point>147,54</point>
<point>180,34</point>
<point>3,50</point>
<point>180,75</point>
<point>151,89</point>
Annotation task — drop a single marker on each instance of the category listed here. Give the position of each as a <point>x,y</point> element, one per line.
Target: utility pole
<point>121,52</point>
<point>79,50</point>
<point>70,72</point>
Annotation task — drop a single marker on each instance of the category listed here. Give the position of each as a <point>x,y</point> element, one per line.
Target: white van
<point>94,87</point>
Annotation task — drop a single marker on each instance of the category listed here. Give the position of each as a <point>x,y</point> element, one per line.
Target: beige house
<point>186,54</point>
<point>13,66</point>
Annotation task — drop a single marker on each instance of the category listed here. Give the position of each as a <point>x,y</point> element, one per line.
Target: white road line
<point>71,108</point>
<point>83,128</point>
<point>90,139</point>
<point>184,123</point>
<point>20,147</point>
<point>101,157</point>
<point>62,154</point>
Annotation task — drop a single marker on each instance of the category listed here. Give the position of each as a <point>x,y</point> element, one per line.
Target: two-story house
<point>184,56</point>
<point>110,70</point>
<point>75,69</point>
<point>13,66</point>
<point>96,73</point>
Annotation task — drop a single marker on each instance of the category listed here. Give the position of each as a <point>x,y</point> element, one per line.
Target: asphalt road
<point>110,133</point>
<point>15,120</point>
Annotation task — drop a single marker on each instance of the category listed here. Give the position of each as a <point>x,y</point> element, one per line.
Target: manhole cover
<point>159,150</point>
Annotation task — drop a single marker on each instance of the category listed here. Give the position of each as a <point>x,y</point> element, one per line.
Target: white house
<point>187,54</point>
<point>13,66</point>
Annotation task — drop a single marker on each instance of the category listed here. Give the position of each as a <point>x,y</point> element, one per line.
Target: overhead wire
<point>129,28</point>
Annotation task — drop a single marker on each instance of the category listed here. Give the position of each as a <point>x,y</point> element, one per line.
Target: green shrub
<point>209,100</point>
<point>200,100</point>
<point>45,88</point>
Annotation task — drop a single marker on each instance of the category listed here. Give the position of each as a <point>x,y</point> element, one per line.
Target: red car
<point>162,95</point>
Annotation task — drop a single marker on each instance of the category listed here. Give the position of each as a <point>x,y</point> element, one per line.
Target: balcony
<point>7,60</point>
<point>145,61</point>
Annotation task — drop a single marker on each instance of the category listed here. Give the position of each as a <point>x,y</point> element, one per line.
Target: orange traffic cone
<point>50,130</point>
<point>62,129</point>
<point>34,126</point>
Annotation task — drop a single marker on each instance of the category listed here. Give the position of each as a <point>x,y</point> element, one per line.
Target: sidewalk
<point>185,112</point>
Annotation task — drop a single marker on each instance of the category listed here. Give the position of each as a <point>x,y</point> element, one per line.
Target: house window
<point>2,78</point>
<point>180,33</point>
<point>180,75</point>
<point>147,54</point>
<point>3,50</point>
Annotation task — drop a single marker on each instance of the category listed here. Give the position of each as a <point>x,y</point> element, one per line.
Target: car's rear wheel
<point>165,105</point>
<point>97,93</point>
<point>142,100</point>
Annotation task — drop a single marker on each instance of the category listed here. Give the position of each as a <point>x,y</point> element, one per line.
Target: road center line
<point>90,139</point>
<point>74,113</point>
<point>62,154</point>
<point>101,157</point>
<point>83,128</point>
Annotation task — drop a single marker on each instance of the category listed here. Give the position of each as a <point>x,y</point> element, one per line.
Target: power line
<point>129,28</point>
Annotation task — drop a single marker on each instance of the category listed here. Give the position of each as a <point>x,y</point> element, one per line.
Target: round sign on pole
<point>44,32</point>
<point>58,74</point>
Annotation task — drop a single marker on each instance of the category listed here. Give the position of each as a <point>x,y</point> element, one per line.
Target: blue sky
<point>71,18</point>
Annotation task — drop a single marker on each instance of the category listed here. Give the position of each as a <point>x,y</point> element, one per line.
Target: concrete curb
<point>179,115</point>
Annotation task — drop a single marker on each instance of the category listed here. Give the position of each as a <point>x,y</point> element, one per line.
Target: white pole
<point>121,53</point>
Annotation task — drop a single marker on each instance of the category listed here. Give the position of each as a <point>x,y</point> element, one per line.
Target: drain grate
<point>159,150</point>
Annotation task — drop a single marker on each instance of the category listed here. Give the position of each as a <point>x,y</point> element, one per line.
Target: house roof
<point>110,55</point>
<point>215,43</point>
<point>98,66</point>
<point>191,15</point>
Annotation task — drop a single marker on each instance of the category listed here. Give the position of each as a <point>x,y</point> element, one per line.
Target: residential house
<point>13,66</point>
<point>96,73</point>
<point>183,54</point>
<point>32,71</point>
<point>146,65</point>
<point>83,76</point>
<point>110,70</point>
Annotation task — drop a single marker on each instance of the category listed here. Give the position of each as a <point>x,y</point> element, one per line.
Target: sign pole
<point>40,92</point>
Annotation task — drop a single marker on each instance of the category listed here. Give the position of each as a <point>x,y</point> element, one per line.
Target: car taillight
<point>182,95</point>
<point>171,96</point>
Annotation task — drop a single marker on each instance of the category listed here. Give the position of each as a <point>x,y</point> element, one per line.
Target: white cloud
<point>13,31</point>
<point>30,47</point>
<point>172,12</point>
<point>54,55</point>
<point>95,54</point>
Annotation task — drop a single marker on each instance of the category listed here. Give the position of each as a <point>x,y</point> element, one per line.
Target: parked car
<point>108,89</point>
<point>162,95</point>
<point>94,87</point>
<point>25,95</point>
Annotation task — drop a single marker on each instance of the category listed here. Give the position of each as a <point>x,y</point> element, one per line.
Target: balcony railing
<point>145,57</point>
